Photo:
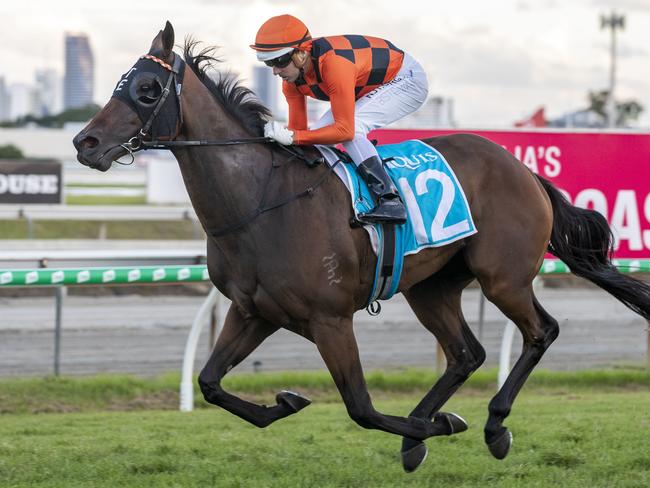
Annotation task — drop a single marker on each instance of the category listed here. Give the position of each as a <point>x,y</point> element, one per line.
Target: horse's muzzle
<point>89,152</point>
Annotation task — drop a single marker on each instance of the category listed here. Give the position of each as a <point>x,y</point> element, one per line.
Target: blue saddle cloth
<point>438,212</point>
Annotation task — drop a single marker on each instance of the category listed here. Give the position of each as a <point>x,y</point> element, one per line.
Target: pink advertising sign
<point>607,172</point>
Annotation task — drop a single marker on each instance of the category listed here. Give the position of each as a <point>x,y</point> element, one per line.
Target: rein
<point>217,142</point>
<point>262,208</point>
<point>138,142</point>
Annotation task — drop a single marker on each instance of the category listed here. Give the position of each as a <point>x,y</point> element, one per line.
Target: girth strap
<point>385,267</point>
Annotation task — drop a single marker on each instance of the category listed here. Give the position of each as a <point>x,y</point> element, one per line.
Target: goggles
<point>281,61</point>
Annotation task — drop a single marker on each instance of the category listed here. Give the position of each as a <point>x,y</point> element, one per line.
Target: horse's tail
<point>583,239</point>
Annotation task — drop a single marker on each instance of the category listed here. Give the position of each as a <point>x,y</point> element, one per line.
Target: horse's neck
<point>224,183</point>
<point>227,184</point>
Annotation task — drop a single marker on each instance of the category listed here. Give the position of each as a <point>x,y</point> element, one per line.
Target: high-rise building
<point>79,76</point>
<point>47,93</point>
<point>5,101</point>
<point>266,88</point>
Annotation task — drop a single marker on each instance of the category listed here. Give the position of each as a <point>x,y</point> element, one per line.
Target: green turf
<point>109,185</point>
<point>114,392</point>
<point>561,439</point>
<point>105,200</point>
<point>73,229</point>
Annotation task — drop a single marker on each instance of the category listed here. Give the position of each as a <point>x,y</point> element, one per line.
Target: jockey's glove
<point>275,130</point>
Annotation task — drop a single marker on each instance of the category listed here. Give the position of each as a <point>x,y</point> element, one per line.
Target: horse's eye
<point>145,88</point>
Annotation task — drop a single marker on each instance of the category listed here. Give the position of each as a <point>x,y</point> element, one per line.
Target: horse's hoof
<point>413,457</point>
<point>500,446</point>
<point>455,423</point>
<point>293,401</point>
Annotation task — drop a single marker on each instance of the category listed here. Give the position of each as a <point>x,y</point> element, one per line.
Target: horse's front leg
<point>335,340</point>
<point>238,338</point>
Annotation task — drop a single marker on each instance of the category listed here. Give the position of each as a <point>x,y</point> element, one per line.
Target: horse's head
<point>145,103</point>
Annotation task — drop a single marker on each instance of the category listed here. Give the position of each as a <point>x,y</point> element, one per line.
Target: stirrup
<point>370,218</point>
<point>385,214</point>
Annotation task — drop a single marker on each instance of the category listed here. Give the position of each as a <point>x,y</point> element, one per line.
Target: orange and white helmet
<point>280,35</point>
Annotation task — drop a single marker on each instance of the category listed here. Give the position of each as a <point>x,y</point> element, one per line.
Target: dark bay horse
<point>276,265</point>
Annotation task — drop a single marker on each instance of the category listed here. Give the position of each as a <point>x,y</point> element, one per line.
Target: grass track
<point>73,229</point>
<point>105,200</point>
<point>121,392</point>
<point>579,435</point>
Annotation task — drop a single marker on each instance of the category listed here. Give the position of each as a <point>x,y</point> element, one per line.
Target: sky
<point>499,60</point>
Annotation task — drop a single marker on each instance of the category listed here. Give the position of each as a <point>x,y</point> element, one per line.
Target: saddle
<point>438,212</point>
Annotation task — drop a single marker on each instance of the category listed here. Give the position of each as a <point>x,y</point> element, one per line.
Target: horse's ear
<point>163,43</point>
<point>168,39</point>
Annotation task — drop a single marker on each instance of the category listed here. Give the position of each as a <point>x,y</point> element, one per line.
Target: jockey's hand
<point>275,130</point>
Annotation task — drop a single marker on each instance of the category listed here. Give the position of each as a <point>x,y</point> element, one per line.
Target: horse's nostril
<point>83,141</point>
<point>89,142</point>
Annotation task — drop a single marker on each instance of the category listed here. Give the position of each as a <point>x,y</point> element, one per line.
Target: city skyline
<point>49,93</point>
<point>497,67</point>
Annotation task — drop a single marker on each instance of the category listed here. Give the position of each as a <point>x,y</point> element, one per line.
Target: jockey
<point>369,83</point>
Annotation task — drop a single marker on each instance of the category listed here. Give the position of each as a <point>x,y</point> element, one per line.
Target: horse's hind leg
<point>238,338</point>
<point>539,330</point>
<point>336,342</point>
<point>436,302</point>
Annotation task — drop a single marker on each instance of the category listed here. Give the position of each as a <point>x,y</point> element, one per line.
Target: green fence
<point>134,275</point>
<point>103,276</point>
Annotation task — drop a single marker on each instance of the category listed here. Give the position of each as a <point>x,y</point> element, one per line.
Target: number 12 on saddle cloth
<point>438,212</point>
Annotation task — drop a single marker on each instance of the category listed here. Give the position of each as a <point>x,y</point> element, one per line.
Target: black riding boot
<point>389,208</point>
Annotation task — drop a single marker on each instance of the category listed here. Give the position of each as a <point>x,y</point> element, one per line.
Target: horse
<point>276,226</point>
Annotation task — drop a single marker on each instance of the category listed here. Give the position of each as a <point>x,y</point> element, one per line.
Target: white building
<point>315,109</point>
<point>267,88</point>
<point>5,101</point>
<point>41,142</point>
<point>437,112</point>
<point>48,93</point>
<point>22,100</point>
<point>581,119</point>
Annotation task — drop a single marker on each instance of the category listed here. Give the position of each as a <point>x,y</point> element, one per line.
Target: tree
<point>10,151</point>
<point>598,101</point>
<point>82,114</point>
<point>626,111</point>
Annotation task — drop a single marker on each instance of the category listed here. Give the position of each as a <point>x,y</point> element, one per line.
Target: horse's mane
<point>236,99</point>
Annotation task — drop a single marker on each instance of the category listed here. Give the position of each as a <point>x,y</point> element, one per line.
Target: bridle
<point>140,141</point>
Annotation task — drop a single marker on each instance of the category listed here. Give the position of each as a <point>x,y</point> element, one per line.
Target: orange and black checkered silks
<point>377,62</point>
<point>344,69</point>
